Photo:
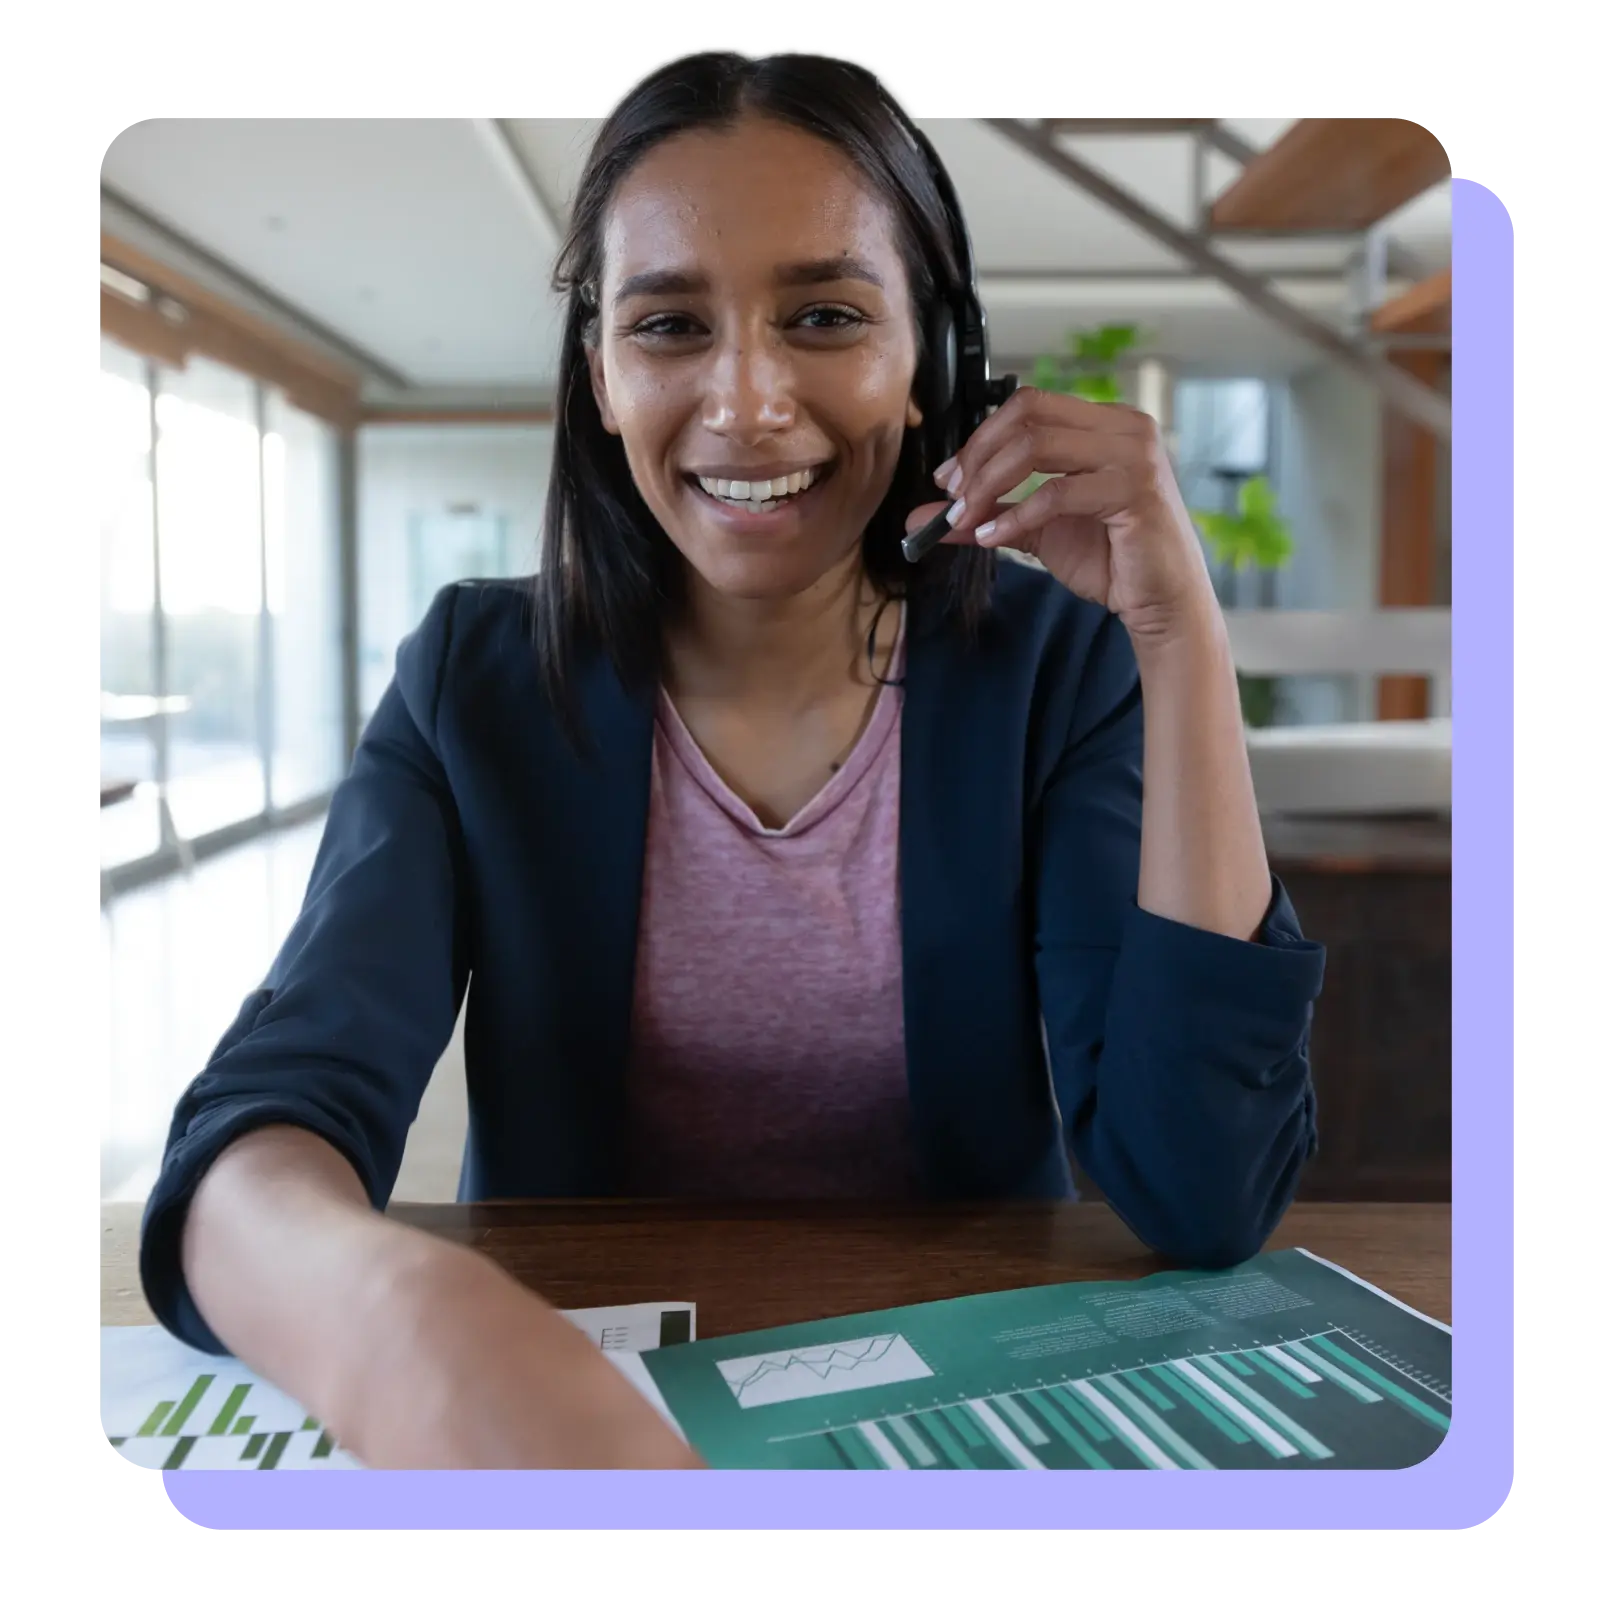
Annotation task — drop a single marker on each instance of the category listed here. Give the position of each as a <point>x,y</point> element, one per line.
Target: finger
<point>1085,494</point>
<point>1098,416</point>
<point>926,513</point>
<point>1012,466</point>
<point>1039,408</point>
<point>1036,449</point>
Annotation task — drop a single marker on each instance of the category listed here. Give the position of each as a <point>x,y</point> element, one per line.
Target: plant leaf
<point>1096,386</point>
<point>1116,337</point>
<point>1084,348</point>
<point>1220,532</point>
<point>1047,374</point>
<point>1256,498</point>
<point>1274,546</point>
<point>1028,486</point>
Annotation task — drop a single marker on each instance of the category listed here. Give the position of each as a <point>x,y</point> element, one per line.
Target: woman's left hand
<point>1113,527</point>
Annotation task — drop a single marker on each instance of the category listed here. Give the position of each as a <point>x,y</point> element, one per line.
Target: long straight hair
<point>609,574</point>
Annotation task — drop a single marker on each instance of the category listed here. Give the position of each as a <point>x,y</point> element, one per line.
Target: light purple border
<point>1469,1477</point>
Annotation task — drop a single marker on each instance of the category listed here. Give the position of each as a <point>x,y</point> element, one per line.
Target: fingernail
<point>943,472</point>
<point>953,516</point>
<point>984,534</point>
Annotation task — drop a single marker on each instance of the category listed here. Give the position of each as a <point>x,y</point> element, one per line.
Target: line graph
<point>819,1370</point>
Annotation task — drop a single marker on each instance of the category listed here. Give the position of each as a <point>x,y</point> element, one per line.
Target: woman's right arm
<point>412,1351</point>
<point>264,1234</point>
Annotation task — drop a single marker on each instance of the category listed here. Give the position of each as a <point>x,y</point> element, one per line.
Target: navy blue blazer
<point>1044,1010</point>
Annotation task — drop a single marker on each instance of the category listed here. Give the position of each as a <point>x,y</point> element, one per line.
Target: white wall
<point>409,475</point>
<point>1328,471</point>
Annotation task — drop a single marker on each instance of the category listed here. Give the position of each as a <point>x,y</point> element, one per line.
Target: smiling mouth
<point>761,498</point>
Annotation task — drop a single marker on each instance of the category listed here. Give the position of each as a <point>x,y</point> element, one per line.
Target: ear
<point>913,413</point>
<point>597,380</point>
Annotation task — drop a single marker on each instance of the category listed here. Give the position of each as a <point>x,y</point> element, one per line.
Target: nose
<point>750,390</point>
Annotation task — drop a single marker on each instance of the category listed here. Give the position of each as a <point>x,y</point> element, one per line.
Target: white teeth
<point>760,492</point>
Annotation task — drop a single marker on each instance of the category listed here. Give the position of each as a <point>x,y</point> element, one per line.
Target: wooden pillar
<point>1406,562</point>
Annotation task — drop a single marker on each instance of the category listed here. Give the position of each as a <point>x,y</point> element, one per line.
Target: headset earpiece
<point>957,382</point>
<point>941,358</point>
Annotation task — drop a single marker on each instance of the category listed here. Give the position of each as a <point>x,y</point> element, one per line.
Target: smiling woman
<point>780,866</point>
<point>755,256</point>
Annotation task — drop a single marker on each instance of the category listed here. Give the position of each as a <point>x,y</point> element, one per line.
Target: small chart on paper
<point>813,1371</point>
<point>167,1406</point>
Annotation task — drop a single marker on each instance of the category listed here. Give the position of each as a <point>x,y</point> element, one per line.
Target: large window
<point>301,480</point>
<point>208,487</point>
<point>222,669</point>
<point>130,827</point>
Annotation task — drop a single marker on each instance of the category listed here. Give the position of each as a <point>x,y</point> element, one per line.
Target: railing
<point>1365,768</point>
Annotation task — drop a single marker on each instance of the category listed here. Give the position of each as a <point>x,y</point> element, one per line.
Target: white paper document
<point>165,1405</point>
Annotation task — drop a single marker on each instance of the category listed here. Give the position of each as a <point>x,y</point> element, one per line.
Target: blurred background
<point>328,351</point>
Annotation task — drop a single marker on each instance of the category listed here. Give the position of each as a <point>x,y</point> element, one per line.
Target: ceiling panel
<point>421,241</point>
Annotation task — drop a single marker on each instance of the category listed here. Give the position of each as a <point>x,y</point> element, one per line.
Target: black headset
<point>959,391</point>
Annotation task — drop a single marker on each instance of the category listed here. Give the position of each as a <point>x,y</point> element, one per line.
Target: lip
<point>785,519</point>
<point>761,474</point>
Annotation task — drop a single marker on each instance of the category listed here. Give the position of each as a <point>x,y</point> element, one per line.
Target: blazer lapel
<point>596,868</point>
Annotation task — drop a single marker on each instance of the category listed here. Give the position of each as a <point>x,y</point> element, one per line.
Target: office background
<point>328,350</point>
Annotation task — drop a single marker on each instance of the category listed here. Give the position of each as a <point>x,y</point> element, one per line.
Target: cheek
<point>646,412</point>
<point>871,405</point>
<point>878,405</point>
<point>636,394</point>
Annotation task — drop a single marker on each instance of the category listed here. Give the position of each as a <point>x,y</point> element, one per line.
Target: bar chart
<point>1285,1362</point>
<point>1298,1403</point>
<point>168,1406</point>
<point>220,1424</point>
<point>165,1405</point>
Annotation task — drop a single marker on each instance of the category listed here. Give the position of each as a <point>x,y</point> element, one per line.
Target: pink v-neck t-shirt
<point>768,1045</point>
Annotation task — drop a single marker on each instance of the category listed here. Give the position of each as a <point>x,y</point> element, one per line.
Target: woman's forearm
<point>1202,860</point>
<point>412,1351</point>
<point>287,1262</point>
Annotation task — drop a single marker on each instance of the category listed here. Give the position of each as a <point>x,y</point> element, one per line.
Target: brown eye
<point>838,317</point>
<point>667,325</point>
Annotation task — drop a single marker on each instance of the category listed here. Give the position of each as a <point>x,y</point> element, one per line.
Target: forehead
<point>760,192</point>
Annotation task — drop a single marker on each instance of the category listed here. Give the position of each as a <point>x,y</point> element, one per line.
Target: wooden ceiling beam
<point>1423,308</point>
<point>1332,174</point>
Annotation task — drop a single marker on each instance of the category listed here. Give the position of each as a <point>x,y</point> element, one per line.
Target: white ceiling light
<point>121,283</point>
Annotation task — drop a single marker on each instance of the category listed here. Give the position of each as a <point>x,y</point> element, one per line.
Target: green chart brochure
<point>1286,1361</point>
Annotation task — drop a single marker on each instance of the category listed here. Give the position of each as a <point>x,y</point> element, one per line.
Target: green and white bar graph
<point>1283,1362</point>
<point>1007,1441</point>
<point>1142,1445</point>
<point>1255,1406</point>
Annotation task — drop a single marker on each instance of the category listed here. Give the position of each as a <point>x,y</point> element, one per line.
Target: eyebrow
<point>832,269</point>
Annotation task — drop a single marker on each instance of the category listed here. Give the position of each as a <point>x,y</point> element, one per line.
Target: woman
<point>779,866</point>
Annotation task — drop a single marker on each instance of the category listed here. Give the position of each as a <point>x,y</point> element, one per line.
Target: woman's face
<point>756,351</point>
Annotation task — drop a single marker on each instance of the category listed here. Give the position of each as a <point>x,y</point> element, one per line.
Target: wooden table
<point>750,1267</point>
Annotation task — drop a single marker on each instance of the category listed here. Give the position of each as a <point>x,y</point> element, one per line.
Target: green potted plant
<point>1253,535</point>
<point>1090,368</point>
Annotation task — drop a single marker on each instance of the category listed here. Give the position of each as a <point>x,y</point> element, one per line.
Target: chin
<point>774,574</point>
